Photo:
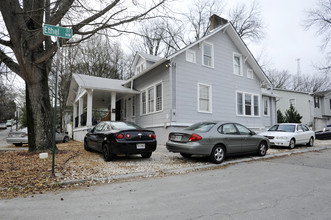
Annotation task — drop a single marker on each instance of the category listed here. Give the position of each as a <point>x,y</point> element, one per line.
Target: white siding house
<point>214,78</point>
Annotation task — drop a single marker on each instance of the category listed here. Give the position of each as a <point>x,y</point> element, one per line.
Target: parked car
<point>9,123</point>
<point>3,125</point>
<point>119,137</point>
<point>289,135</point>
<point>217,140</point>
<point>20,137</point>
<point>325,134</point>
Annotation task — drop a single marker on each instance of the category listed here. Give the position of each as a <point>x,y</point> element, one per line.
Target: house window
<point>204,95</point>
<point>250,74</point>
<point>266,106</point>
<point>247,104</point>
<point>159,97</point>
<point>140,68</point>
<point>237,64</point>
<point>152,99</point>
<point>240,103</point>
<point>207,54</point>
<point>143,102</point>
<point>317,102</point>
<point>150,93</point>
<point>190,56</point>
<point>292,102</point>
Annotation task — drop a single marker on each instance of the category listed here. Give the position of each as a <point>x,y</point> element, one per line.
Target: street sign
<point>57,31</point>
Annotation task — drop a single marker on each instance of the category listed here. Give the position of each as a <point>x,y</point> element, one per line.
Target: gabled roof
<point>145,56</point>
<point>239,43</point>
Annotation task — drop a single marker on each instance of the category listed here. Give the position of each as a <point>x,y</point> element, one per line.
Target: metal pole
<point>55,100</point>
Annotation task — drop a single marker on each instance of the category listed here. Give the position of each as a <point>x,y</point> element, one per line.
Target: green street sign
<point>56,31</point>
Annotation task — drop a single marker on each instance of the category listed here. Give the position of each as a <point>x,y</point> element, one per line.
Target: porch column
<point>113,106</point>
<point>74,106</point>
<point>89,108</point>
<point>80,110</point>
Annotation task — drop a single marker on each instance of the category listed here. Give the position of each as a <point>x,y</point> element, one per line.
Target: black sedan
<point>217,140</point>
<point>118,137</point>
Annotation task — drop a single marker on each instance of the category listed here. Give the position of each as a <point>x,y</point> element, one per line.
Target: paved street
<point>293,187</point>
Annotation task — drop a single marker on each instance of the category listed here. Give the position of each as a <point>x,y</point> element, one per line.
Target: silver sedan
<point>20,137</point>
<point>217,140</point>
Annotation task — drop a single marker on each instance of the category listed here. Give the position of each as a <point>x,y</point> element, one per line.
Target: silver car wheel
<point>217,154</point>
<point>262,149</point>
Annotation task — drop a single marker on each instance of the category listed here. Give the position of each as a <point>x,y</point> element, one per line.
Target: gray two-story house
<point>214,78</point>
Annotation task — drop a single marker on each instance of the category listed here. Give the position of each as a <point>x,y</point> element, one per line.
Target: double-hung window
<point>247,104</point>
<point>266,106</point>
<point>152,99</point>
<point>204,98</point>
<point>208,54</point>
<point>237,64</point>
<point>143,102</point>
<point>159,97</point>
<point>150,93</point>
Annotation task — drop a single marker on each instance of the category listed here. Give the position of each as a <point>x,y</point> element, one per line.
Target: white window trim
<point>250,70</point>
<point>212,54</point>
<point>268,109</point>
<point>241,63</point>
<point>210,98</point>
<point>194,56</point>
<point>252,104</point>
<point>147,103</point>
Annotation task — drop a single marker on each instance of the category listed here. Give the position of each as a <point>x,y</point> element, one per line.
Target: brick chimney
<point>216,21</point>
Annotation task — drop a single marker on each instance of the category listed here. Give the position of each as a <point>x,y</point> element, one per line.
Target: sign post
<point>58,32</point>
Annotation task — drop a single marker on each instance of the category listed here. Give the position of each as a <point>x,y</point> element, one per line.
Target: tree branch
<point>10,63</point>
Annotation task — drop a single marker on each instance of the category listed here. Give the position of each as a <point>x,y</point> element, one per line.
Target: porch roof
<point>98,85</point>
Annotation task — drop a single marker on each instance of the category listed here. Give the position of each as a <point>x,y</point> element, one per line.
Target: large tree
<point>28,53</point>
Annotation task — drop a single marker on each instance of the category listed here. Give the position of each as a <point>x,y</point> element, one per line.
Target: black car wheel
<point>146,155</point>
<point>18,144</point>
<point>217,154</point>
<point>262,149</point>
<point>65,139</point>
<point>311,142</point>
<point>86,147</point>
<point>292,143</point>
<point>106,154</point>
<point>186,155</point>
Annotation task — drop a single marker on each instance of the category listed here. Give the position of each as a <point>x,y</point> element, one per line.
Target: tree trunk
<point>40,116</point>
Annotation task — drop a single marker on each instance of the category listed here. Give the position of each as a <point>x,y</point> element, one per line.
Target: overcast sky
<point>286,39</point>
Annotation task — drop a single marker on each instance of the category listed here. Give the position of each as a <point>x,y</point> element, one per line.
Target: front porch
<point>95,99</point>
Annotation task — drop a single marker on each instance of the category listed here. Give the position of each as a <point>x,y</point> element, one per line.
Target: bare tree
<point>28,53</point>
<point>320,18</point>
<point>247,21</point>
<point>279,79</point>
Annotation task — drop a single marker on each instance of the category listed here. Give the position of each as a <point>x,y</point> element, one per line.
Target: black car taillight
<point>120,136</point>
<point>152,136</point>
<point>195,137</point>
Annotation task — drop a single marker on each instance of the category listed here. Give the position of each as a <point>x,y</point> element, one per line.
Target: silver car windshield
<point>283,128</point>
<point>204,126</point>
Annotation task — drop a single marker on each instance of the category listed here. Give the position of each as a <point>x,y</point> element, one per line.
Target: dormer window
<point>140,68</point>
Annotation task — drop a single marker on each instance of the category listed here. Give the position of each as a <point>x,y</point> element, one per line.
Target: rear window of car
<point>124,126</point>
<point>204,127</point>
<point>283,128</point>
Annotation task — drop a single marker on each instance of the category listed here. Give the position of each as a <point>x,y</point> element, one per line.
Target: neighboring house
<point>315,108</point>
<point>302,101</point>
<point>214,78</point>
<point>322,107</point>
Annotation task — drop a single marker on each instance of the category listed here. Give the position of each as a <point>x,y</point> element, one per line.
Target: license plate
<point>177,138</point>
<point>140,146</point>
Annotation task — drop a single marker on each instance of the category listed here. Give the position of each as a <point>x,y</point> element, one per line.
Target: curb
<point>187,169</point>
